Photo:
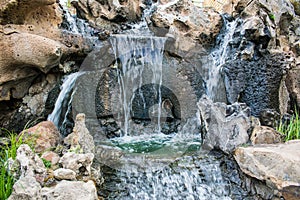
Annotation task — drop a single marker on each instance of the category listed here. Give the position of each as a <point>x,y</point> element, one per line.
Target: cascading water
<point>63,102</point>
<point>134,53</point>
<point>219,56</point>
<point>154,165</point>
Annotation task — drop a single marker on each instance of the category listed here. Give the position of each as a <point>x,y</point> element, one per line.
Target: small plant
<point>290,130</point>
<point>272,16</point>
<point>47,163</point>
<point>77,149</point>
<point>8,151</point>
<point>68,3</point>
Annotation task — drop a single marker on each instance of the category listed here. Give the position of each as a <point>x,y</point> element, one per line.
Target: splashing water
<point>219,58</point>
<point>62,104</point>
<point>136,53</point>
<point>154,165</point>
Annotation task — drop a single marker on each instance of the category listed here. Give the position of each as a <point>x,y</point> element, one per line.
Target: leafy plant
<point>272,16</point>
<point>9,150</point>
<point>290,130</point>
<point>47,163</point>
<point>68,3</point>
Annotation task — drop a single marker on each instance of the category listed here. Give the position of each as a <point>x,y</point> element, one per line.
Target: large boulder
<point>186,23</point>
<point>22,55</point>
<point>277,165</point>
<point>226,127</point>
<point>108,14</point>
<point>45,136</point>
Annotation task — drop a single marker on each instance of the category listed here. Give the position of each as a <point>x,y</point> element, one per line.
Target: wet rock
<point>45,135</point>
<point>265,135</point>
<point>71,190</point>
<point>33,43</point>
<point>79,163</point>
<point>110,156</point>
<point>80,137</point>
<point>64,174</point>
<point>277,165</point>
<point>226,127</point>
<point>256,82</point>
<point>182,86</point>
<point>187,24</point>
<point>52,157</point>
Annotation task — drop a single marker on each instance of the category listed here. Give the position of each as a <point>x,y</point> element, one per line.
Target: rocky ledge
<point>276,165</point>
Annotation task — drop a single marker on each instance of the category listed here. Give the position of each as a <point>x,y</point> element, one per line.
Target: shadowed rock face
<point>260,54</point>
<point>255,82</point>
<point>98,91</point>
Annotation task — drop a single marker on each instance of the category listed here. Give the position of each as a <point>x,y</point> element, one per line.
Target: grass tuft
<point>290,130</point>
<point>7,151</point>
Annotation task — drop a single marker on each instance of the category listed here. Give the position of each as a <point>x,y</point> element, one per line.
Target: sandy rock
<point>30,163</point>
<point>71,190</point>
<point>45,134</point>
<point>79,163</point>
<point>226,126</point>
<point>18,12</point>
<point>31,51</point>
<point>265,135</point>
<point>64,174</point>
<point>277,165</point>
<point>293,84</point>
<point>26,188</point>
<point>106,14</point>
<point>52,157</point>
<point>80,137</point>
<point>186,23</point>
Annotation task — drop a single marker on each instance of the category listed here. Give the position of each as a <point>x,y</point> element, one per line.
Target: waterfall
<point>219,56</point>
<point>62,104</point>
<point>187,178</point>
<point>153,165</point>
<point>136,53</point>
